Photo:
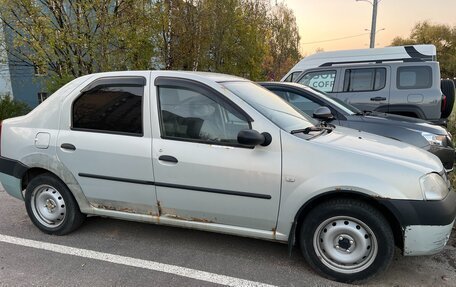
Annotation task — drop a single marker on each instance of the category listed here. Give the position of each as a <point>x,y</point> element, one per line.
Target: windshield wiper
<point>313,129</point>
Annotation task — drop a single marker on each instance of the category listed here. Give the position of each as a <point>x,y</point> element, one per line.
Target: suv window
<point>419,77</point>
<point>189,115</point>
<point>364,80</point>
<point>321,80</point>
<point>115,109</point>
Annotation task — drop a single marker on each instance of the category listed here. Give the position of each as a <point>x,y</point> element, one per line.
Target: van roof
<point>411,52</point>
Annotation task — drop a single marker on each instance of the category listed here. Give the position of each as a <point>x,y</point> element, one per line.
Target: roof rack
<point>329,64</point>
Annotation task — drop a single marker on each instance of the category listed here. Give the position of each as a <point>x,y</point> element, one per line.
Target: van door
<point>368,89</point>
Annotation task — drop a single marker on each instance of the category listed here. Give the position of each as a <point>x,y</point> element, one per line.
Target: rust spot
<point>108,207</point>
<point>204,220</point>
<point>159,208</point>
<point>338,189</point>
<point>274,231</point>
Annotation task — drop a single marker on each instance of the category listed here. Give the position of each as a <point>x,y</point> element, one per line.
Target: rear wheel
<point>51,206</point>
<point>448,89</point>
<point>347,240</point>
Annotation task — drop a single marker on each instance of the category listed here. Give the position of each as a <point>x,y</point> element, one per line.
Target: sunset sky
<point>321,20</point>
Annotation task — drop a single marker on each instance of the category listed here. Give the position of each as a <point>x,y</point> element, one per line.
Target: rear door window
<point>111,109</point>
<point>320,80</point>
<point>364,80</point>
<point>419,77</point>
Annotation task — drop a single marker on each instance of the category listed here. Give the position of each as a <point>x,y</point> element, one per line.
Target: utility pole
<point>373,30</point>
<point>374,23</point>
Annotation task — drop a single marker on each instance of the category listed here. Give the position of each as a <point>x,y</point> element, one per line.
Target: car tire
<point>448,89</point>
<point>51,205</point>
<point>346,240</point>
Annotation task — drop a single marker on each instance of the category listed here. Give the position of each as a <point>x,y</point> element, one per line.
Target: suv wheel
<point>51,206</point>
<point>347,240</point>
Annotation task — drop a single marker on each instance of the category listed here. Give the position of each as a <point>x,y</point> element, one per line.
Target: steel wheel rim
<point>345,244</point>
<point>48,206</point>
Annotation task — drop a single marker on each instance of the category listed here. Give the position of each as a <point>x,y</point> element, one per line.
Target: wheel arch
<point>39,164</point>
<point>315,201</point>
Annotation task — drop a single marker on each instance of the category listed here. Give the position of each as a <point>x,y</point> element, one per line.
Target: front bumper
<point>426,224</point>
<point>426,239</point>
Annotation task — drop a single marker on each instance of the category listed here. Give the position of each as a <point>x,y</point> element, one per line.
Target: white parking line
<point>134,262</point>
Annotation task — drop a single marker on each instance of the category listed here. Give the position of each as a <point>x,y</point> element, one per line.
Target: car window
<point>190,115</point>
<point>364,80</point>
<point>419,77</point>
<point>292,77</point>
<point>115,109</point>
<point>321,80</point>
<point>299,101</point>
<point>277,110</point>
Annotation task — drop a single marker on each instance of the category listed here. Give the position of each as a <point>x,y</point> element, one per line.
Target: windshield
<point>345,107</point>
<point>270,105</point>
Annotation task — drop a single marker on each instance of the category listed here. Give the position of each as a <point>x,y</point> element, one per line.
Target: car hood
<point>400,121</point>
<point>379,148</point>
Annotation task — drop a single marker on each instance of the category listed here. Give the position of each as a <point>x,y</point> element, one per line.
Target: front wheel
<point>51,206</point>
<point>347,240</point>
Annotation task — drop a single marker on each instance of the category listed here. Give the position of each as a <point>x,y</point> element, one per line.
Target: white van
<point>402,80</point>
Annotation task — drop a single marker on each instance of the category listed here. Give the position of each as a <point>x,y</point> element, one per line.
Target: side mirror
<point>253,138</point>
<point>323,113</point>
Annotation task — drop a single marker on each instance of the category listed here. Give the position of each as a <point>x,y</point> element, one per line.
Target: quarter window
<point>322,80</point>
<point>292,77</point>
<point>414,77</point>
<point>115,109</point>
<point>364,80</point>
<point>189,115</point>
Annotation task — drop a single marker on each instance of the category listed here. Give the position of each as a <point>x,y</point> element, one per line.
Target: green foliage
<point>442,36</point>
<point>10,108</point>
<point>70,38</point>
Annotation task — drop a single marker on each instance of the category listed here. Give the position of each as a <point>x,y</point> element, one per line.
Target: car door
<point>105,142</point>
<point>368,89</point>
<point>201,172</point>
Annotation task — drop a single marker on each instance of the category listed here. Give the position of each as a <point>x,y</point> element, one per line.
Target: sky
<point>322,20</point>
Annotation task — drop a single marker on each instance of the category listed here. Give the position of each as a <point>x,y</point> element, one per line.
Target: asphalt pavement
<point>108,252</point>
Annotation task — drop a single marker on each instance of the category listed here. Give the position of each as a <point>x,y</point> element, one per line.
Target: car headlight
<point>434,139</point>
<point>433,186</point>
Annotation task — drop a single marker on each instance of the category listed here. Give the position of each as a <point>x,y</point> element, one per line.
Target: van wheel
<point>347,240</point>
<point>51,206</point>
<point>448,89</point>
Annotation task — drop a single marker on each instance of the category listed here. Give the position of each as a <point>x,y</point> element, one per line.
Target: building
<point>18,79</point>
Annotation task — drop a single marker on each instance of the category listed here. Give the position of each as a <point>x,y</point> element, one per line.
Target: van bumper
<point>11,174</point>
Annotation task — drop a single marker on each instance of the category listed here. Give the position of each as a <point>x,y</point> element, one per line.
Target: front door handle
<point>168,158</point>
<point>68,146</point>
<point>378,99</point>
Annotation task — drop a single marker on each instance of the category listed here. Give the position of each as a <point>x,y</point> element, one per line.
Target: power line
<point>335,39</point>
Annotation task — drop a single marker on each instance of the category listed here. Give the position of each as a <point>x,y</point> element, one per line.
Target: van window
<point>419,77</point>
<point>321,80</point>
<point>364,80</point>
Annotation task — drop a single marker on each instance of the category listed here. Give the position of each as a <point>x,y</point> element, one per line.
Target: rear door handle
<point>68,146</point>
<point>378,99</point>
<point>168,158</point>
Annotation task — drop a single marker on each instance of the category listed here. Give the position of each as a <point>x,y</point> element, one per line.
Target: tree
<point>283,42</point>
<point>70,38</point>
<point>444,39</point>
